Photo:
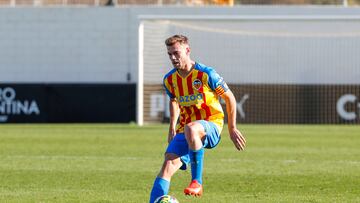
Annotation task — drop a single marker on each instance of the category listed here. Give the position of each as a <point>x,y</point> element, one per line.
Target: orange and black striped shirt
<point>197,95</point>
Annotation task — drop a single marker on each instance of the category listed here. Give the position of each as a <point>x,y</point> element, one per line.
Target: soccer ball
<point>166,199</point>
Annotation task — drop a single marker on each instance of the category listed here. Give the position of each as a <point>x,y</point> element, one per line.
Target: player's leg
<point>195,134</point>
<point>176,157</point>
<point>171,164</point>
<point>199,134</point>
<point>161,185</point>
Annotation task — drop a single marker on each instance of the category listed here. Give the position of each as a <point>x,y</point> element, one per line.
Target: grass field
<point>118,163</point>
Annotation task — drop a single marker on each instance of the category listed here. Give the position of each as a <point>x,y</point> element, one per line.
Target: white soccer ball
<point>166,199</point>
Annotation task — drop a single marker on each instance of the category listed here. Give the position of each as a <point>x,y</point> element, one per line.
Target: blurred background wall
<point>77,61</point>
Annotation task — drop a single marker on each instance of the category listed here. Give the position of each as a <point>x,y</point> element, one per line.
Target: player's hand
<point>237,138</point>
<point>171,135</point>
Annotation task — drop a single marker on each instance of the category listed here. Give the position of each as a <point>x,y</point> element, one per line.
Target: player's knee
<point>191,131</point>
<point>170,166</point>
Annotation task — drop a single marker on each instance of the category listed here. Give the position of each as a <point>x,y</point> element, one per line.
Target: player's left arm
<point>236,136</point>
<point>220,87</point>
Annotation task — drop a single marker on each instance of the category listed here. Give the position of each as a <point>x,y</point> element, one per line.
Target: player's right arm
<point>174,115</point>
<point>173,104</point>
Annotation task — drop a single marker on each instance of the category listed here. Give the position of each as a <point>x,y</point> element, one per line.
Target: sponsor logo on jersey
<point>190,99</point>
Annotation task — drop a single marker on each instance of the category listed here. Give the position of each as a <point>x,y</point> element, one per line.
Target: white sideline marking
<point>70,157</point>
<point>289,161</point>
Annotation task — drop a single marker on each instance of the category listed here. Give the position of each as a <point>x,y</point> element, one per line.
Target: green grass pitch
<point>118,163</point>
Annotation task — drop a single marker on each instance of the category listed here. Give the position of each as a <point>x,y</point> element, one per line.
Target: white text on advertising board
<point>9,105</point>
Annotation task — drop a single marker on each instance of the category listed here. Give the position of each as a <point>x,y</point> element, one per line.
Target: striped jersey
<point>197,95</point>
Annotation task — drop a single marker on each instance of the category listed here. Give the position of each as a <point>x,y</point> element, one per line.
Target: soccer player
<point>194,90</point>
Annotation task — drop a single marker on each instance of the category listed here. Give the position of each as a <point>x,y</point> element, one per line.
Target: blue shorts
<point>180,147</point>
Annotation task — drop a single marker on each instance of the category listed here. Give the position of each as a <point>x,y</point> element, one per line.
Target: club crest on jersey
<point>197,84</point>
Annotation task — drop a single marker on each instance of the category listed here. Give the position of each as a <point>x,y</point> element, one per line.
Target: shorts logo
<point>197,84</point>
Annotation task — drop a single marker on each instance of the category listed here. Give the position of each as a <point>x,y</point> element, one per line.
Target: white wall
<point>63,45</point>
<point>271,51</point>
<point>94,45</point>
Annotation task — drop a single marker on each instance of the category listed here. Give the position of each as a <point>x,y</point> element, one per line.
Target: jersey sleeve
<point>168,88</point>
<point>217,83</point>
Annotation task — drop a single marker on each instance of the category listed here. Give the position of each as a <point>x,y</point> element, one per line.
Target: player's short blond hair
<point>176,39</point>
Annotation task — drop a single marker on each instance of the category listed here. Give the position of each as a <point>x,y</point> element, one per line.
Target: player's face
<point>179,55</point>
